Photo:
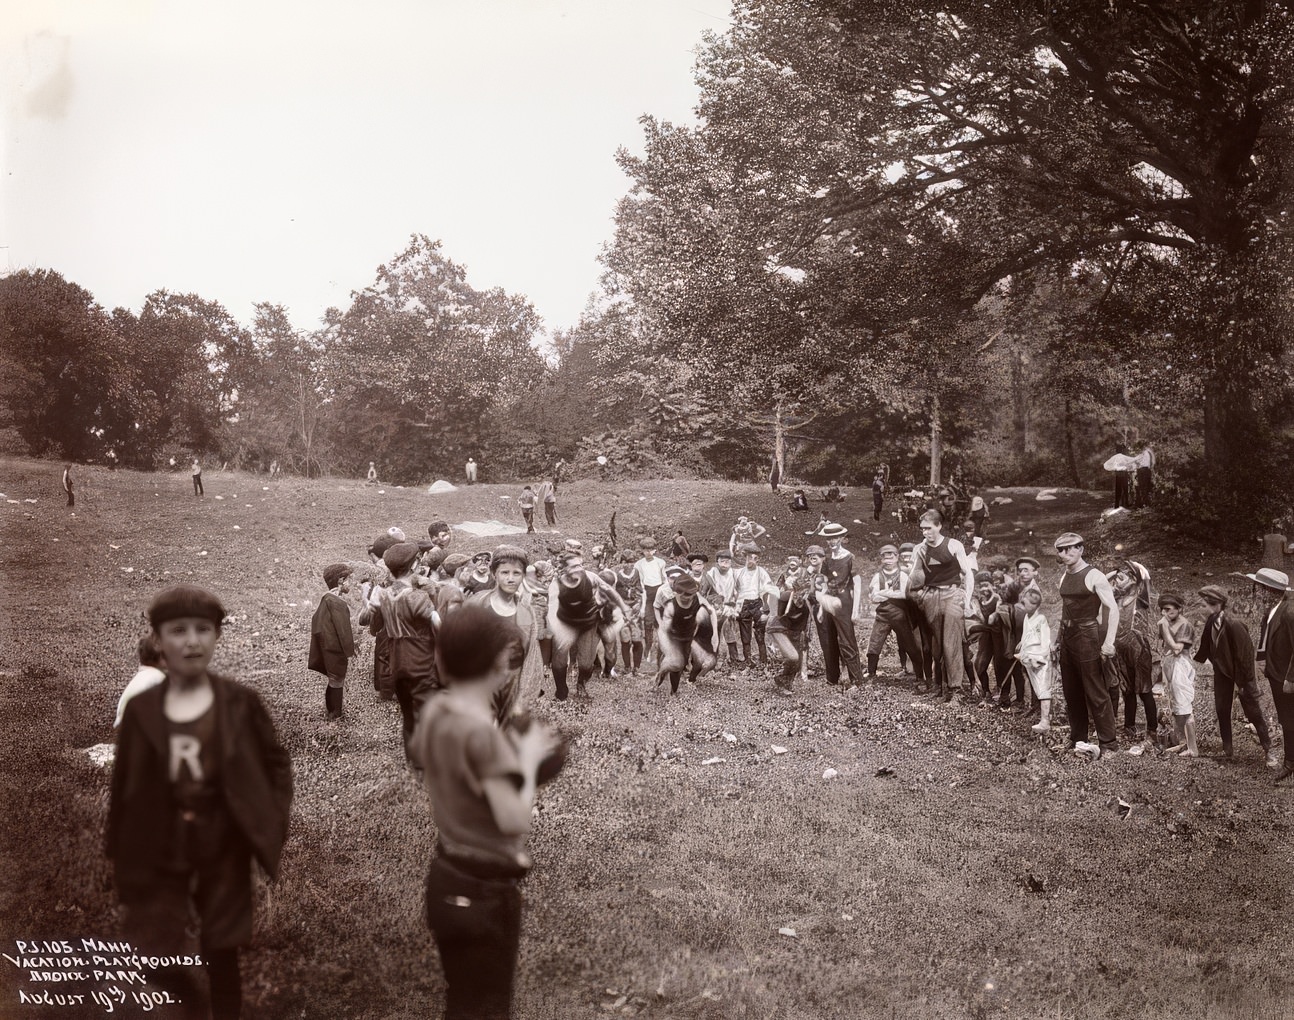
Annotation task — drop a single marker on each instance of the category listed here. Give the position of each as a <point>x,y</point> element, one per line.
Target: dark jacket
<point>1279,664</point>
<point>255,781</point>
<point>332,641</point>
<point>1232,654</point>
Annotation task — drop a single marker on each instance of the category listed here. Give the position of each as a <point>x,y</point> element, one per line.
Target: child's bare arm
<point>509,803</point>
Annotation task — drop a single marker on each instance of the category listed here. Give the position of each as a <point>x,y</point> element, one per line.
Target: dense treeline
<point>419,372</point>
<point>992,239</point>
<point>998,237</point>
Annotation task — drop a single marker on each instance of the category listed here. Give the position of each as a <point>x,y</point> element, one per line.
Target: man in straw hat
<point>839,603</point>
<point>1080,645</point>
<point>1226,644</point>
<point>1276,653</point>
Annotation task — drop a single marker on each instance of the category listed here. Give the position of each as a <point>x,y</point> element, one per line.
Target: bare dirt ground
<point>953,866</point>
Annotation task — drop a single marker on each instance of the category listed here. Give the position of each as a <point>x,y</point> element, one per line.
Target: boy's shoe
<point>1083,747</point>
<point>1286,771</point>
<point>1040,727</point>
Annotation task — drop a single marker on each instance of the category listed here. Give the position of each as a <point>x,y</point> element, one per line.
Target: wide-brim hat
<point>833,530</point>
<point>1277,580</point>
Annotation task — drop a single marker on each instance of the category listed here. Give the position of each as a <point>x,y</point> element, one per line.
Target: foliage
<point>63,369</point>
<point>421,362</point>
<point>864,174</point>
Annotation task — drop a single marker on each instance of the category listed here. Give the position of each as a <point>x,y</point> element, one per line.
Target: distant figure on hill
<point>372,473</point>
<point>1276,547</point>
<point>197,477</point>
<point>1145,461</point>
<point>526,503</point>
<point>799,502</point>
<point>470,470</point>
<point>774,475</point>
<point>68,485</point>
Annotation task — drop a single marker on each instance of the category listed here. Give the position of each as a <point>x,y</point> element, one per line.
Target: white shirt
<point>148,676</point>
<point>651,571</point>
<point>751,583</point>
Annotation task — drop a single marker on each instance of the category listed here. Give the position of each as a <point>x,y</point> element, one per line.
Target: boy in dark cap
<point>200,787</point>
<point>332,641</point>
<point>409,618</point>
<point>369,616</point>
<point>1080,643</point>
<point>686,633</point>
<point>1227,646</point>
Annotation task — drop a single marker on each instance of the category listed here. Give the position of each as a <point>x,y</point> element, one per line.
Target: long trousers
<point>1087,699</point>
<point>585,643</point>
<point>1285,713</point>
<point>477,927</point>
<point>892,617</point>
<point>945,611</point>
<point>836,637</point>
<point>1224,689</point>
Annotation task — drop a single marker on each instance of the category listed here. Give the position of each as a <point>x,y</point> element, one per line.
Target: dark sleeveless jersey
<point>629,588</point>
<point>683,626</point>
<point>790,618</point>
<point>577,607</point>
<point>942,568</point>
<point>1078,604</point>
<point>840,574</point>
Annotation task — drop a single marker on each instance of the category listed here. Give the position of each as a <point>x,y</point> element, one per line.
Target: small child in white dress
<point>1176,636</point>
<point>148,676</point>
<point>1034,653</point>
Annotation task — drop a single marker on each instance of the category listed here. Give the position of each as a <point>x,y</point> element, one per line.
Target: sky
<point>281,150</point>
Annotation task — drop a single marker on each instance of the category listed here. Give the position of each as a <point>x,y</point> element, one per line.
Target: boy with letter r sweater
<point>200,787</point>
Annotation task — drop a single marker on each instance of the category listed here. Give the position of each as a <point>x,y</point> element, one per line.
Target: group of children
<point>202,785</point>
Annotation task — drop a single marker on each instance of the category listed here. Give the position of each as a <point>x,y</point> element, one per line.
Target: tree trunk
<point>936,439</point>
<point>1020,406</point>
<point>779,443</point>
<point>1070,457</point>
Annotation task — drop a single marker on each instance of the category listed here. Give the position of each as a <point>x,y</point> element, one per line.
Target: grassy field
<point>982,874</point>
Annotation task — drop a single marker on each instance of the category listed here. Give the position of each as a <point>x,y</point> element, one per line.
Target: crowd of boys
<point>465,643</point>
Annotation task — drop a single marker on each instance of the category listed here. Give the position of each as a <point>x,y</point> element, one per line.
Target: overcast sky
<point>280,150</point>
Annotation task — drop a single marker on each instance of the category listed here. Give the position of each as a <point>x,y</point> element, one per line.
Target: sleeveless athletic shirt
<point>1078,604</point>
<point>683,626</point>
<point>942,568</point>
<point>839,571</point>
<point>576,607</point>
